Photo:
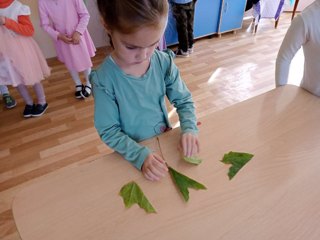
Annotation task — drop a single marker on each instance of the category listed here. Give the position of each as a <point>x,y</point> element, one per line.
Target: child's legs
<point>23,90</point>
<point>181,22</point>
<point>3,90</point>
<point>86,91</point>
<point>81,92</point>
<point>75,77</point>
<point>38,88</point>
<point>86,75</point>
<point>190,16</point>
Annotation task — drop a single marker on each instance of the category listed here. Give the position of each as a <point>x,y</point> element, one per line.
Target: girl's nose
<point>143,54</point>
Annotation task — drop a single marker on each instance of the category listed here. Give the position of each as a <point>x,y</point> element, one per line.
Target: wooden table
<point>275,196</point>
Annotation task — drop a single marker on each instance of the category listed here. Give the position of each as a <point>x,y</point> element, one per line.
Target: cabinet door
<point>206,21</point>
<point>232,12</point>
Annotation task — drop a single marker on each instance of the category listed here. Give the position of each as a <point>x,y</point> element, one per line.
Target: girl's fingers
<point>149,176</point>
<point>190,145</point>
<point>194,147</point>
<point>155,169</point>
<point>198,146</point>
<point>160,163</point>
<point>159,170</point>
<point>189,148</point>
<point>184,146</point>
<point>158,158</point>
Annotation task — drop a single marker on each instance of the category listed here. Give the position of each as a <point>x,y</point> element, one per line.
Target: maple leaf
<point>183,183</point>
<point>238,160</point>
<point>193,160</point>
<point>131,194</point>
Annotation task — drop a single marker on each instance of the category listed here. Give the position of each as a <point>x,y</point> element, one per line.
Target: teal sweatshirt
<point>130,109</point>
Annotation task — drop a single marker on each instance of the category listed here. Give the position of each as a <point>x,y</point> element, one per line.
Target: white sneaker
<point>190,50</point>
<point>181,53</point>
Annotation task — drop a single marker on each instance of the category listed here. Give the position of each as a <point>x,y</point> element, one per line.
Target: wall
<point>95,28</point>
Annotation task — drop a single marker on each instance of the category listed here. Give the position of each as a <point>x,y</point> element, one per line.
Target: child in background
<point>183,12</point>
<point>21,60</point>
<point>8,100</point>
<point>66,22</point>
<point>130,86</point>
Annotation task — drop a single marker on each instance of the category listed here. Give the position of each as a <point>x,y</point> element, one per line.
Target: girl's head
<point>127,16</point>
<point>135,26</point>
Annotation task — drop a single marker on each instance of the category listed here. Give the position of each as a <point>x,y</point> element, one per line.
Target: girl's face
<point>136,48</point>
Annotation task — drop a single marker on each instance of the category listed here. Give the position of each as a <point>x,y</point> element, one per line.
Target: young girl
<point>21,60</point>
<point>130,85</point>
<point>66,22</point>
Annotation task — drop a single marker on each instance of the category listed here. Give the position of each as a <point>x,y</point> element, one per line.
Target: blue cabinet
<point>231,15</point>
<point>206,17</point>
<point>211,16</point>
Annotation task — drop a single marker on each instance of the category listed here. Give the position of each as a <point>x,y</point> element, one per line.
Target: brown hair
<point>126,16</point>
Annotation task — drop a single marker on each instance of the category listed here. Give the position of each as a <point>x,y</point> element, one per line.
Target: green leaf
<point>183,183</point>
<point>238,160</point>
<point>193,160</point>
<point>131,194</point>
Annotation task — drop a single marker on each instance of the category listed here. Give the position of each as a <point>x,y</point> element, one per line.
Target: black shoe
<point>86,92</point>
<point>39,109</point>
<point>79,89</point>
<point>28,109</point>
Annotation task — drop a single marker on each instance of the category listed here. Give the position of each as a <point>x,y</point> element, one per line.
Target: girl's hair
<point>127,16</point>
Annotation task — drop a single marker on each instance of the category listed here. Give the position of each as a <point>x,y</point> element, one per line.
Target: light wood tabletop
<point>276,195</point>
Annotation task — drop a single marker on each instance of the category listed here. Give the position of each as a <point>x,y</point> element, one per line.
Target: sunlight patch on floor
<point>214,75</point>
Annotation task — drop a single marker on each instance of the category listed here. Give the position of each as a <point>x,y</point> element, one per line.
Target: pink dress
<point>21,60</point>
<point>66,17</point>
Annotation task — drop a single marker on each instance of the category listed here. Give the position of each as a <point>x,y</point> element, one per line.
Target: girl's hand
<point>189,144</point>
<point>76,37</point>
<point>154,167</point>
<point>64,38</point>
<point>2,20</point>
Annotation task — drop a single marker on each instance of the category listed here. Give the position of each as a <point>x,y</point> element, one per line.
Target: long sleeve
<point>180,96</point>
<point>295,37</point>
<point>107,123</point>
<point>83,15</point>
<point>45,22</point>
<point>23,26</point>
